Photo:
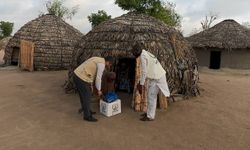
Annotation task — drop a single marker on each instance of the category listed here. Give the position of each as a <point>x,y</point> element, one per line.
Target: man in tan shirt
<point>84,75</point>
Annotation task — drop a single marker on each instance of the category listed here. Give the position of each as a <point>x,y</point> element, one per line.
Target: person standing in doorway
<point>84,75</point>
<point>152,70</point>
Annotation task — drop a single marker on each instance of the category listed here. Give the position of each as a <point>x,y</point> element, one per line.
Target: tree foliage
<point>97,18</point>
<point>6,29</point>
<point>246,24</point>
<point>206,23</point>
<point>156,8</point>
<point>208,20</point>
<point>57,8</point>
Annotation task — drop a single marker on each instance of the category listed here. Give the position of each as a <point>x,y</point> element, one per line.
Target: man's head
<point>137,49</point>
<point>109,61</point>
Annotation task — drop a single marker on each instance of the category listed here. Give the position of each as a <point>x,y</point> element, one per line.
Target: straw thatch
<point>54,41</point>
<point>227,34</point>
<point>4,42</point>
<point>116,37</point>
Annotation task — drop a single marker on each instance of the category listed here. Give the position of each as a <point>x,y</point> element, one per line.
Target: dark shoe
<point>90,119</point>
<point>144,115</point>
<point>146,119</point>
<point>92,112</point>
<point>81,111</point>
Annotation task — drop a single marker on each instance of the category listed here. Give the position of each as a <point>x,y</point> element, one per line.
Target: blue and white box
<point>110,109</point>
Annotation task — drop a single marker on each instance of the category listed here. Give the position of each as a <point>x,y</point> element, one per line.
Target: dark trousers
<point>84,91</point>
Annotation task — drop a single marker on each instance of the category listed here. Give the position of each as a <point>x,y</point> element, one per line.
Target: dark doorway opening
<point>15,56</point>
<point>215,59</point>
<point>125,71</point>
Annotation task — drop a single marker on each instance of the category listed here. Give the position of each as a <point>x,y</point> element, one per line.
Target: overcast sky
<point>192,11</point>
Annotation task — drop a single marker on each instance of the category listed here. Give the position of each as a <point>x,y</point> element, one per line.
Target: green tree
<point>246,24</point>
<point>208,21</point>
<point>55,7</point>
<point>6,29</point>
<point>97,18</point>
<point>156,8</point>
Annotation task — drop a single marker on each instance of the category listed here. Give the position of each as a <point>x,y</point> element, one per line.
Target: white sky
<point>192,11</point>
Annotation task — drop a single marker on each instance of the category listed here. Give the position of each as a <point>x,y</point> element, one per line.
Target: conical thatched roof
<point>4,42</point>
<point>227,34</point>
<point>116,37</point>
<point>54,41</point>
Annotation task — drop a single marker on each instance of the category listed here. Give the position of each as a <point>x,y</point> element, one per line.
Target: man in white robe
<point>152,70</point>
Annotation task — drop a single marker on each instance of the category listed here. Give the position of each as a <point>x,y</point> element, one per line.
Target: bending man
<point>154,72</point>
<point>84,76</point>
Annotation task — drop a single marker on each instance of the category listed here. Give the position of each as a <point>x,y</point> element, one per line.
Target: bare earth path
<point>35,114</point>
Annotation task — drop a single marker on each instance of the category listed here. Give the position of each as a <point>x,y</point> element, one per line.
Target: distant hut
<point>226,45</point>
<point>116,37</point>
<point>52,39</point>
<point>3,43</point>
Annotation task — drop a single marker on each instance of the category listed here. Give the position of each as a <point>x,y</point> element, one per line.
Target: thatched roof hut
<point>116,37</point>
<point>227,44</point>
<point>3,43</point>
<point>53,40</point>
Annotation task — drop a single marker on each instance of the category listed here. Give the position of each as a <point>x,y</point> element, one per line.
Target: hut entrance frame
<point>215,59</point>
<point>15,56</point>
<point>26,56</point>
<point>125,71</point>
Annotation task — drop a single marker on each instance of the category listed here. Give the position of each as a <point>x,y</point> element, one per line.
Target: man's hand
<point>140,88</point>
<point>99,93</point>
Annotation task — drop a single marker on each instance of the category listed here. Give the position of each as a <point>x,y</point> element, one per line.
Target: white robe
<point>154,86</point>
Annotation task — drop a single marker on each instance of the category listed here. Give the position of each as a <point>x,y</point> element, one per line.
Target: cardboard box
<point>110,109</point>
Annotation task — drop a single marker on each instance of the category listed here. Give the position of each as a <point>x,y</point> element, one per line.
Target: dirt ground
<point>36,114</point>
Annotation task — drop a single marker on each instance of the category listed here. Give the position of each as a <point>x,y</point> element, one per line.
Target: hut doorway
<point>215,59</point>
<point>15,56</point>
<point>125,71</point>
<point>26,55</point>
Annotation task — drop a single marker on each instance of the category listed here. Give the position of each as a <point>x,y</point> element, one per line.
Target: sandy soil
<point>1,56</point>
<point>37,115</point>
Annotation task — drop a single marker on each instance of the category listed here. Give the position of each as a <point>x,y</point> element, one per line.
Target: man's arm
<point>98,81</point>
<point>143,69</point>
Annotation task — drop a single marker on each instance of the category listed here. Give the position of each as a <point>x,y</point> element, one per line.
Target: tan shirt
<point>150,67</point>
<point>152,70</point>
<point>90,70</point>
